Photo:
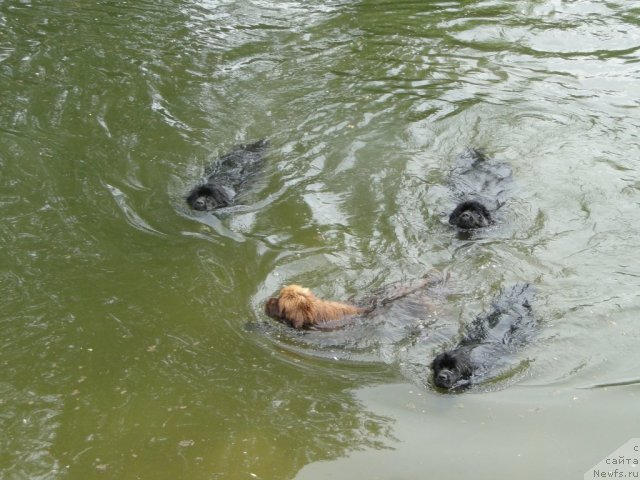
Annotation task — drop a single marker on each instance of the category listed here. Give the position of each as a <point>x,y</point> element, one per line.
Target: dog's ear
<point>438,361</point>
<point>297,320</point>
<point>298,309</point>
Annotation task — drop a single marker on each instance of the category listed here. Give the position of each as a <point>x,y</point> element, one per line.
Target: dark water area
<point>133,341</point>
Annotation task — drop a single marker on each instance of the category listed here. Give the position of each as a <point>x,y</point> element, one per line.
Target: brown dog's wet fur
<point>300,308</point>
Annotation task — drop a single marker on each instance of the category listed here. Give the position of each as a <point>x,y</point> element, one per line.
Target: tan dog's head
<point>295,305</point>
<point>300,308</point>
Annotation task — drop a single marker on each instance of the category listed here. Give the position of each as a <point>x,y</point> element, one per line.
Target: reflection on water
<point>33,422</point>
<point>134,343</point>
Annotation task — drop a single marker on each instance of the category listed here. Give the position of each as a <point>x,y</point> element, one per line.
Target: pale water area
<point>133,342</point>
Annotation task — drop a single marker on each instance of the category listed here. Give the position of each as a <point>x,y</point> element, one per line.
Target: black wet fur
<point>470,214</point>
<point>508,326</point>
<point>228,176</point>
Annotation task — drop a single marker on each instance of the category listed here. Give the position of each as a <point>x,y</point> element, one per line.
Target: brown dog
<point>300,308</point>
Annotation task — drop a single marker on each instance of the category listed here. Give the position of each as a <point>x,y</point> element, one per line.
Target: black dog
<point>229,175</point>
<point>479,185</point>
<point>489,339</point>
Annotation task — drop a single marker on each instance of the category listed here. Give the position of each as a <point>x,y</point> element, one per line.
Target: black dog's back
<point>227,176</point>
<point>510,321</point>
<point>490,339</point>
<point>240,164</point>
<point>475,173</point>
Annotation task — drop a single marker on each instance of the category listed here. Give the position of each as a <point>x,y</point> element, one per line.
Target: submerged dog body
<point>488,340</point>
<point>300,308</point>
<point>229,175</point>
<point>479,185</point>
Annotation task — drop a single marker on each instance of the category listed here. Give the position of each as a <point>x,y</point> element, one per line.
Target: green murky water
<point>133,345</point>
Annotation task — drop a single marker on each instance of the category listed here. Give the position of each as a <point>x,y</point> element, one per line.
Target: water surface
<point>133,341</point>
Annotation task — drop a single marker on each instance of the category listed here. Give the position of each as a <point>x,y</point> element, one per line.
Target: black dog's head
<point>452,369</point>
<point>470,214</point>
<point>209,197</point>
